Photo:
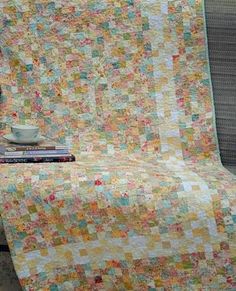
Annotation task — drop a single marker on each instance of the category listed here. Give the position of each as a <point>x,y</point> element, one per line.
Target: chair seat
<point>106,221</point>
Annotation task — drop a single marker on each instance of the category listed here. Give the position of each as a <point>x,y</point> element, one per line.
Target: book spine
<point>34,148</point>
<point>35,156</point>
<point>70,158</point>
<point>36,152</point>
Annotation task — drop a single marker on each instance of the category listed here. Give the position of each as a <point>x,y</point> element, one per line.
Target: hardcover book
<point>36,152</point>
<point>37,159</point>
<point>5,146</point>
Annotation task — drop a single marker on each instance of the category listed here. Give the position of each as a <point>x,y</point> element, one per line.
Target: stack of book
<point>47,151</point>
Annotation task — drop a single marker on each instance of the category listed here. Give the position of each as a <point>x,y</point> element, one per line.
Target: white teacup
<point>25,132</point>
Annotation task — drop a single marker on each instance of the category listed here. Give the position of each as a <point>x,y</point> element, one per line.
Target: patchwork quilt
<point>126,84</point>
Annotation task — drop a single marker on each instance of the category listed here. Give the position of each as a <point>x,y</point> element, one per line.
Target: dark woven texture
<point>221,27</point>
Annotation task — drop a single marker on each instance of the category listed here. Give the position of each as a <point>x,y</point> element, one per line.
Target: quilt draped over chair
<point>147,205</point>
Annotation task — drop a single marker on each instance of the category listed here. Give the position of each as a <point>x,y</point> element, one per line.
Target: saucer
<point>11,138</point>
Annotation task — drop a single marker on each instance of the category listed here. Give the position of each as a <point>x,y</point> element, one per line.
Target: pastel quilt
<point>126,84</point>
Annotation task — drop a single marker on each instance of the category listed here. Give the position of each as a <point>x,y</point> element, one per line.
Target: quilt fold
<point>126,84</point>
